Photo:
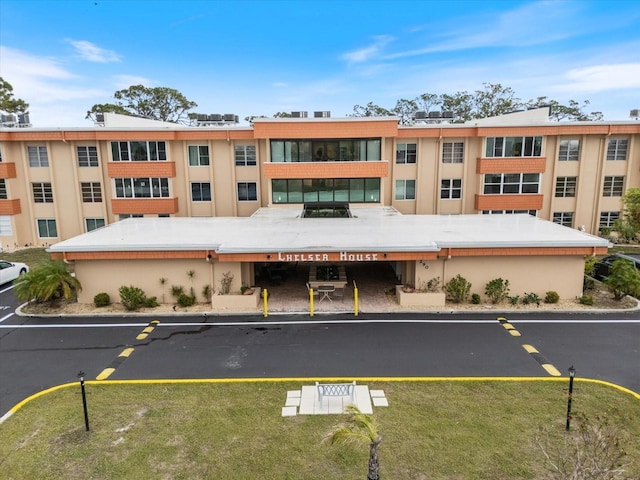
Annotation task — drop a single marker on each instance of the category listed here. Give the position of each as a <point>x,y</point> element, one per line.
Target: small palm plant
<point>359,427</point>
<point>47,283</point>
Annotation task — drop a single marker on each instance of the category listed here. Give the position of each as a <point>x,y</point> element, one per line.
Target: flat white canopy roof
<point>371,229</point>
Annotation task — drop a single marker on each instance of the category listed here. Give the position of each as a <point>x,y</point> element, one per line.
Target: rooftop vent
<point>324,114</point>
<point>298,114</point>
<point>421,115</point>
<point>435,114</point>
<point>447,114</point>
<point>635,113</point>
<point>215,119</point>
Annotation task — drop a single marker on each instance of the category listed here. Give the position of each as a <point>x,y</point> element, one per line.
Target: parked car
<point>603,266</point>
<point>9,271</point>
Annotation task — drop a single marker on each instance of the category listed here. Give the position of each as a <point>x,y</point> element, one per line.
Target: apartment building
<point>58,183</point>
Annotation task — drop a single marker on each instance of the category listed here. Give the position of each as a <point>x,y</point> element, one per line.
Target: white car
<point>9,271</point>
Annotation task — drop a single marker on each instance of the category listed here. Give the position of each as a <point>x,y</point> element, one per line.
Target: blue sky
<point>262,57</point>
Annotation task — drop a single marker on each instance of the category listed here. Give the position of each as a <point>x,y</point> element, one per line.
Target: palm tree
<point>46,283</point>
<point>359,427</point>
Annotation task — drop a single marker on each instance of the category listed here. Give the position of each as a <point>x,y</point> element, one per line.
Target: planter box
<point>237,301</point>
<point>420,299</point>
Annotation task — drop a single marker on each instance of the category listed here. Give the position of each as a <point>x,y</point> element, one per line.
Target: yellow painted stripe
<point>501,318</point>
<point>551,370</point>
<point>22,403</point>
<point>126,352</point>
<point>530,348</point>
<point>142,336</point>
<point>514,333</point>
<point>105,373</point>
<point>155,322</point>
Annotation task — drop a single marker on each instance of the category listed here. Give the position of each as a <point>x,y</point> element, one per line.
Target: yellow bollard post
<point>355,299</point>
<point>265,302</point>
<point>311,302</point>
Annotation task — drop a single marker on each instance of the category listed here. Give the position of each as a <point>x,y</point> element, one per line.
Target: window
<point>138,151</point>
<point>42,192</point>
<point>511,183</point>
<point>87,156</point>
<point>38,156</point>
<point>201,192</point>
<point>47,228</point>
<point>198,155</point>
<point>142,187</point>
<point>406,153</point>
<point>91,192</point>
<point>247,191</point>
<point>3,189</point>
<point>405,189</point>
<point>93,223</point>
<point>5,225</point>
<point>569,150</point>
<point>514,146</point>
<point>124,216</point>
<point>607,219</point>
<point>298,190</point>
<point>343,150</point>
<point>563,218</point>
<point>617,149</point>
<point>245,155</point>
<point>613,186</point>
<point>566,186</point>
<point>451,188</point>
<point>452,152</point>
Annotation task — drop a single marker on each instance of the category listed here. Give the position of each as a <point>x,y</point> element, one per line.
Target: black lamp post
<point>84,401</point>
<point>572,374</point>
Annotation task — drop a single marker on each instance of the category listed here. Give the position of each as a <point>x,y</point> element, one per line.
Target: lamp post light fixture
<point>84,400</point>
<point>572,374</point>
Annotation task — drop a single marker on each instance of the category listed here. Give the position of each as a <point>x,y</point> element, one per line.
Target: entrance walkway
<point>372,280</point>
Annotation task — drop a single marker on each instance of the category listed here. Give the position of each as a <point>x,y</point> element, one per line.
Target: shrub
<point>530,298</point>
<point>102,300</point>
<point>588,283</point>
<point>587,300</point>
<point>225,283</point>
<point>185,300</point>
<point>433,285</point>
<point>514,300</point>
<point>551,297</point>
<point>497,290</point>
<point>207,292</point>
<point>623,279</point>
<point>475,299</point>
<point>132,298</point>
<point>458,289</point>
<point>177,290</point>
<point>151,302</point>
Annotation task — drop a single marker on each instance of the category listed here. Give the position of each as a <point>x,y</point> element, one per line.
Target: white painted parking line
<point>5,317</point>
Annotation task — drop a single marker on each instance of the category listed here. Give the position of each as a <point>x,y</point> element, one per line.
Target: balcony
<point>7,170</point>
<point>10,207</point>
<point>511,165</point>
<point>522,201</point>
<point>122,206</point>
<point>373,169</point>
<point>141,169</point>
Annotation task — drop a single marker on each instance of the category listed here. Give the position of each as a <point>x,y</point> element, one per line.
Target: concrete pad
<point>294,394</point>
<point>310,403</point>
<point>289,411</point>
<point>293,402</point>
<point>380,402</point>
<point>376,393</point>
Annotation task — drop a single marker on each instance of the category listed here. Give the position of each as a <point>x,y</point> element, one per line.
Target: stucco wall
<point>538,274</point>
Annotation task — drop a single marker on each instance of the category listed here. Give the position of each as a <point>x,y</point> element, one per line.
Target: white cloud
<point>125,81</point>
<point>598,78</point>
<point>366,53</point>
<point>92,53</point>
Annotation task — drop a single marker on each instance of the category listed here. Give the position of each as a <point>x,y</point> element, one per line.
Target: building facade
<point>59,183</point>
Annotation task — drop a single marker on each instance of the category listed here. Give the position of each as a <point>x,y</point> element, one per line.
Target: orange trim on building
<point>511,165</point>
<point>524,251</point>
<point>373,169</point>
<point>324,129</point>
<point>136,255</point>
<point>141,169</point>
<point>7,170</point>
<point>144,205</point>
<point>523,201</point>
<point>10,207</point>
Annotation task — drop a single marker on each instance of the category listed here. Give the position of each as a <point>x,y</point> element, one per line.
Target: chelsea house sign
<point>326,257</point>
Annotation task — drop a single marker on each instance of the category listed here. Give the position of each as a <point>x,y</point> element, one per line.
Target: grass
<point>33,256</point>
<point>436,430</point>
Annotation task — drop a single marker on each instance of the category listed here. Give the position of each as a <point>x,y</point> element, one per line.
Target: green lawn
<point>431,429</point>
<point>31,256</point>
